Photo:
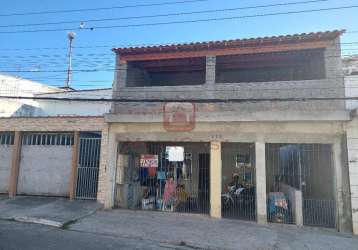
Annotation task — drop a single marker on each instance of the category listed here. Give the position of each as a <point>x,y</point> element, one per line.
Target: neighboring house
<point>16,86</point>
<point>50,147</point>
<point>192,96</point>
<point>350,71</point>
<point>350,65</point>
<point>78,107</point>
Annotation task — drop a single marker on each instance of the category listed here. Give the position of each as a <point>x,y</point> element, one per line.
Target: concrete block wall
<point>333,62</point>
<point>332,86</point>
<point>287,89</point>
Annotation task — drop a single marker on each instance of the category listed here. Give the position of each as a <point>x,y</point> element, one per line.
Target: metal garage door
<point>6,144</point>
<point>45,165</point>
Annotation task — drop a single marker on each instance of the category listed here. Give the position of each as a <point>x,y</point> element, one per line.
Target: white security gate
<point>88,167</point>
<point>45,165</point>
<point>6,145</point>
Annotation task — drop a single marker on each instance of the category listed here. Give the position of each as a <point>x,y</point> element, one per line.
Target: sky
<point>42,55</point>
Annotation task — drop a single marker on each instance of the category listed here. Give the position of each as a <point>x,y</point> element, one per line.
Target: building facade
<point>253,129</point>
<point>241,112</point>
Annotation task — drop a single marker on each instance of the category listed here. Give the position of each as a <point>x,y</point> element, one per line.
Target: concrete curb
<point>34,220</point>
<point>47,222</point>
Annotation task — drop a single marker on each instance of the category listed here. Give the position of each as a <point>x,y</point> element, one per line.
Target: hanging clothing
<point>152,172</point>
<point>143,176</point>
<point>169,190</point>
<point>184,171</point>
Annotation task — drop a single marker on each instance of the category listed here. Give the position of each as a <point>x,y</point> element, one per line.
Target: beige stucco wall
<point>60,123</point>
<point>327,132</point>
<point>305,132</point>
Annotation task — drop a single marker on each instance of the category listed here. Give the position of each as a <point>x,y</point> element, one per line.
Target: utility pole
<point>70,36</point>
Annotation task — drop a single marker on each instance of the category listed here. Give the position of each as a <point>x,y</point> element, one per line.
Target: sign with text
<point>175,153</point>
<point>149,161</point>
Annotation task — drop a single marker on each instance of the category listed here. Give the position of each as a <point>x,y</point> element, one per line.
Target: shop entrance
<point>163,176</point>
<point>300,184</point>
<point>238,179</point>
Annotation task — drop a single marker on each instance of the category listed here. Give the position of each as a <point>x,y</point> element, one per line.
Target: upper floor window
<point>266,67</point>
<point>169,72</point>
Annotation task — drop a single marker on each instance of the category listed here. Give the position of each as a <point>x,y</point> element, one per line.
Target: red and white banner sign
<point>149,161</point>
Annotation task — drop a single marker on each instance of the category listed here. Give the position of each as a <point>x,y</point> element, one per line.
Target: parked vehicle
<point>238,197</point>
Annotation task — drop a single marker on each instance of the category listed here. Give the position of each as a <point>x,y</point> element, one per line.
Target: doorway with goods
<point>163,176</point>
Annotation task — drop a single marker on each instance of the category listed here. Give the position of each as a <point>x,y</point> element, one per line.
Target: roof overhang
<point>318,40</point>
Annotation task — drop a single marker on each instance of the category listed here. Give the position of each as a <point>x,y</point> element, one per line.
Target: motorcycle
<point>238,196</point>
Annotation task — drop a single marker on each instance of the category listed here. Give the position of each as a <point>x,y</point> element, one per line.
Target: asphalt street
<point>15,235</point>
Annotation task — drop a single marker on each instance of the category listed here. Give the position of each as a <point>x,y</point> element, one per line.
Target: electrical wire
<point>164,15</point>
<point>165,100</point>
<point>185,21</point>
<point>101,8</point>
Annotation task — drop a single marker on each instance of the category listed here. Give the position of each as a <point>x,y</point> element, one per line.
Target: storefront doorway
<point>238,181</point>
<point>300,184</point>
<point>163,176</point>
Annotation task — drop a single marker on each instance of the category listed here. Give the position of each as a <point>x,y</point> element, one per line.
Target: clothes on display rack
<point>169,190</point>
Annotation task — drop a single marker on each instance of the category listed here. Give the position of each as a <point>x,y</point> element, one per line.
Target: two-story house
<point>249,128</point>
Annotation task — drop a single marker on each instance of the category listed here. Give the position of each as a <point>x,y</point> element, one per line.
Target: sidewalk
<point>185,231</point>
<point>52,211</point>
<point>202,232</point>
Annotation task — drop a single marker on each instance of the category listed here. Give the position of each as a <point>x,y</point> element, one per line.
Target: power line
<point>185,21</point>
<point>163,100</point>
<point>229,87</point>
<point>164,15</point>
<point>100,8</point>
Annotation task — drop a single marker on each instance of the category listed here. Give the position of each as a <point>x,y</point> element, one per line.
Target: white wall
<point>45,170</point>
<point>5,163</point>
<point>15,86</point>
<point>71,108</point>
